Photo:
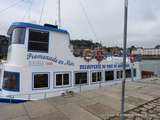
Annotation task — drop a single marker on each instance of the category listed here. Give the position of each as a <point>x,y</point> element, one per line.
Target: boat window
<point>128,73</point>
<point>134,72</point>
<point>119,74</point>
<point>11,81</point>
<point>96,76</point>
<point>40,80</point>
<point>18,36</point>
<point>62,79</point>
<point>109,75</point>
<point>38,41</point>
<point>80,78</point>
<point>59,79</point>
<point>0,74</point>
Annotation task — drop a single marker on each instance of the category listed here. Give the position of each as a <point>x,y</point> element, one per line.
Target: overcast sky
<point>97,20</point>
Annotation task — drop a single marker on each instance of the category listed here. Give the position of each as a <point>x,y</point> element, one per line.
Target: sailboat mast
<point>59,13</point>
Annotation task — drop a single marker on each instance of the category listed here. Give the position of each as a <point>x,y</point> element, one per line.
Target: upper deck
<point>27,38</point>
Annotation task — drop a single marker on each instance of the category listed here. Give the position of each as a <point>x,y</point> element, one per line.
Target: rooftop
<point>96,104</point>
<point>34,26</point>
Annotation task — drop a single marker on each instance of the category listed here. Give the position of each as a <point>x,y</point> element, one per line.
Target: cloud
<point>105,16</point>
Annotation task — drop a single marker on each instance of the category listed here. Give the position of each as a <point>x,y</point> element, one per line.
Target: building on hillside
<point>147,51</point>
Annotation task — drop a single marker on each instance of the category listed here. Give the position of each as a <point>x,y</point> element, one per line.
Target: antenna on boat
<point>43,6</point>
<point>59,13</point>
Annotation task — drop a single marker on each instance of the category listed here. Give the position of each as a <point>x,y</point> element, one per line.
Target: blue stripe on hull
<point>13,101</point>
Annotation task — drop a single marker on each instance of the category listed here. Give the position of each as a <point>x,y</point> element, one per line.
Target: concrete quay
<point>98,104</point>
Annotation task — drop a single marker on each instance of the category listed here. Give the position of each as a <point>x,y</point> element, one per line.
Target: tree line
<point>77,47</point>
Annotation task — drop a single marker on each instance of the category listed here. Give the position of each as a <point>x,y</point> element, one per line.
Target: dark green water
<point>151,65</point>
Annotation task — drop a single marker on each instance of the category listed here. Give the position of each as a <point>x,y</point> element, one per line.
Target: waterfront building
<point>147,51</point>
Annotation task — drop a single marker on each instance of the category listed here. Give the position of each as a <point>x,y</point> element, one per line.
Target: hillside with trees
<point>157,47</point>
<point>79,45</point>
<point>4,43</point>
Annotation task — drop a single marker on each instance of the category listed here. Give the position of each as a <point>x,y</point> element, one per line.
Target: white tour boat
<point>40,64</point>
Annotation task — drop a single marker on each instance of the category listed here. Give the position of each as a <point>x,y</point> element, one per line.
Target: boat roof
<point>34,26</point>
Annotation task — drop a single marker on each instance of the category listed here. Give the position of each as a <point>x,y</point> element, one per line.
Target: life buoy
<point>132,58</point>
<point>87,54</point>
<point>99,55</point>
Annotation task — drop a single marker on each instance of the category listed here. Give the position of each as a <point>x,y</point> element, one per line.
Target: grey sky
<point>105,16</point>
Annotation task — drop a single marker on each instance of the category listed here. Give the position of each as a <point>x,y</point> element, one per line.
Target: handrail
<point>29,95</point>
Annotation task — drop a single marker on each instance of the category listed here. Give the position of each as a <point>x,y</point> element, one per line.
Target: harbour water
<point>151,65</point>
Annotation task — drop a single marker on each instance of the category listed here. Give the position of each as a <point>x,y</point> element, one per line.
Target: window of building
<point>62,79</point>
<point>18,36</point>
<point>81,78</point>
<point>11,81</point>
<point>134,72</point>
<point>40,80</point>
<point>96,76</point>
<point>109,75</point>
<point>128,73</point>
<point>38,41</point>
<point>119,74</point>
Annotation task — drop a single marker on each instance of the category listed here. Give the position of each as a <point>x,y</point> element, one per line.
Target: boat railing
<point>32,96</point>
<point>49,94</point>
<point>46,94</point>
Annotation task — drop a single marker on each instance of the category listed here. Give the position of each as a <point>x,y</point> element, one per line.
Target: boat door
<point>0,78</point>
